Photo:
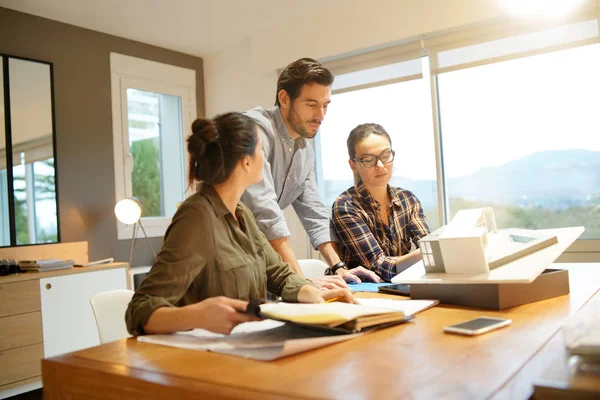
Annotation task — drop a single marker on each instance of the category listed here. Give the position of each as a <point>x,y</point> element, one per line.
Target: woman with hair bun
<point>214,257</point>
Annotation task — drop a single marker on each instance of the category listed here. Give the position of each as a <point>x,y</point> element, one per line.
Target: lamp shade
<point>128,211</point>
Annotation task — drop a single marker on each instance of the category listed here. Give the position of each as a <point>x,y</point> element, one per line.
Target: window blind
<point>510,39</point>
<point>376,67</point>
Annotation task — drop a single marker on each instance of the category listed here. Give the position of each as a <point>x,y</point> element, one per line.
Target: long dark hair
<point>216,145</point>
<point>300,72</point>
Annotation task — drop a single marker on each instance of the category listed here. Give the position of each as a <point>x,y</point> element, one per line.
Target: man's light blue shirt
<point>288,179</point>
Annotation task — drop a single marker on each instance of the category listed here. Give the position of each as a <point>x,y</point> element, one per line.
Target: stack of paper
<point>582,332</point>
<point>264,340</point>
<point>270,340</point>
<point>408,307</point>
<point>45,265</point>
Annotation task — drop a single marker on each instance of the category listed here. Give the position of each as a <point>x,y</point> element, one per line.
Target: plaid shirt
<point>365,240</point>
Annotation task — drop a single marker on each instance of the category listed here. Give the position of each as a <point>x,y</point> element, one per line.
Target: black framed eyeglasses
<point>370,160</point>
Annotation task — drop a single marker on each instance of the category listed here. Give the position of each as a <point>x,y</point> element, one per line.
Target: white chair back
<point>312,268</point>
<point>109,310</point>
<point>136,276</point>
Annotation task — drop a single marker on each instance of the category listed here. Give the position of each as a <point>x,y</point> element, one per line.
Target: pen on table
<point>332,299</point>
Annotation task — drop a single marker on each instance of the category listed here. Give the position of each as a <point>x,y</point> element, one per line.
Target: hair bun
<point>233,134</point>
<point>205,129</point>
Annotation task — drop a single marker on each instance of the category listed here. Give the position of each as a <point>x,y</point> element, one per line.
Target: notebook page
<point>409,307</point>
<point>322,313</point>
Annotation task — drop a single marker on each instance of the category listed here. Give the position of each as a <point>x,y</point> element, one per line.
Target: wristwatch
<point>337,266</point>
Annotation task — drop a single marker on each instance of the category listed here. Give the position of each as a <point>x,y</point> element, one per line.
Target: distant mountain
<point>549,179</point>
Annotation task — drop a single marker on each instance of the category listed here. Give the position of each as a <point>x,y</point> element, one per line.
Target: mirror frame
<point>9,154</point>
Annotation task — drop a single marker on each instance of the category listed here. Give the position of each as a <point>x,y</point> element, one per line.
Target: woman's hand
<point>219,314</point>
<point>358,275</point>
<point>311,294</point>
<point>329,282</point>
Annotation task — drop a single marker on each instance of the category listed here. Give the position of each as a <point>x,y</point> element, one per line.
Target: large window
<point>523,136</point>
<point>155,143</point>
<point>153,106</point>
<point>505,116</point>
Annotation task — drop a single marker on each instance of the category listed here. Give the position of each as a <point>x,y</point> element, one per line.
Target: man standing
<point>303,95</point>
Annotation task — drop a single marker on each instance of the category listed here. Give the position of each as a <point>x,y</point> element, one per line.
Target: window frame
<point>583,250</point>
<point>4,228</point>
<point>131,72</point>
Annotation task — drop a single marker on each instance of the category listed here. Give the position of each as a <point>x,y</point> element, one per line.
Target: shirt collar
<point>394,196</point>
<point>364,194</point>
<point>369,200</point>
<point>215,200</point>
<point>281,128</point>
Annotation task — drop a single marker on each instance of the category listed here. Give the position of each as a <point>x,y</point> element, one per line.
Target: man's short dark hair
<point>300,72</point>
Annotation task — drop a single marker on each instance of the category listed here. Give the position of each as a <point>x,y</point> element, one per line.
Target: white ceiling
<point>197,27</point>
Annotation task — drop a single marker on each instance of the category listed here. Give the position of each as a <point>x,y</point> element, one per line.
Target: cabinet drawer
<point>20,330</point>
<point>19,297</point>
<point>22,363</point>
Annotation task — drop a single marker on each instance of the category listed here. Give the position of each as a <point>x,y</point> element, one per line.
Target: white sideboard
<point>45,314</point>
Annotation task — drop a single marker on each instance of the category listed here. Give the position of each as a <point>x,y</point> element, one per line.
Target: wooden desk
<point>413,360</point>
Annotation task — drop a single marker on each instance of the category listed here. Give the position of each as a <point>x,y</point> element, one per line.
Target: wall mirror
<point>28,186</point>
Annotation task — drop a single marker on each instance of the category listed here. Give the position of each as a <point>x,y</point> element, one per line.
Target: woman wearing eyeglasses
<point>377,223</point>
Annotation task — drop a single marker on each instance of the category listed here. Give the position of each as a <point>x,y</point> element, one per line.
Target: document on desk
<point>269,339</point>
<point>263,340</point>
<point>408,307</point>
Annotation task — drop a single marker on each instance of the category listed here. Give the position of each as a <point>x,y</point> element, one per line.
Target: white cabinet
<point>67,319</point>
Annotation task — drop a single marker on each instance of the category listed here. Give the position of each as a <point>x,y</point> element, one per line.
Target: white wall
<point>245,75</point>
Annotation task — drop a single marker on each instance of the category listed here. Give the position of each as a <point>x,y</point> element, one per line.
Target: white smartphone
<point>477,326</point>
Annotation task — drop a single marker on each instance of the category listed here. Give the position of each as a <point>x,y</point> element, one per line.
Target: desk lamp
<point>129,211</point>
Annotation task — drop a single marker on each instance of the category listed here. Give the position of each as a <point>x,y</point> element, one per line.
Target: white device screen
<point>478,323</point>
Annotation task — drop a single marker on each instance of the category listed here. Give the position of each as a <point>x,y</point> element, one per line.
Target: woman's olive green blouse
<point>205,254</point>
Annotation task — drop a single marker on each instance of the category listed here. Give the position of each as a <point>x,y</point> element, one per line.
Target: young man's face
<point>304,114</point>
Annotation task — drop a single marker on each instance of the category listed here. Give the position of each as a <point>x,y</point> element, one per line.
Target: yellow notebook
<point>340,317</point>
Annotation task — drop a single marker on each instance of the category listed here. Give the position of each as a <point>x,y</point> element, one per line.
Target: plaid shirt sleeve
<point>417,226</point>
<point>354,233</point>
